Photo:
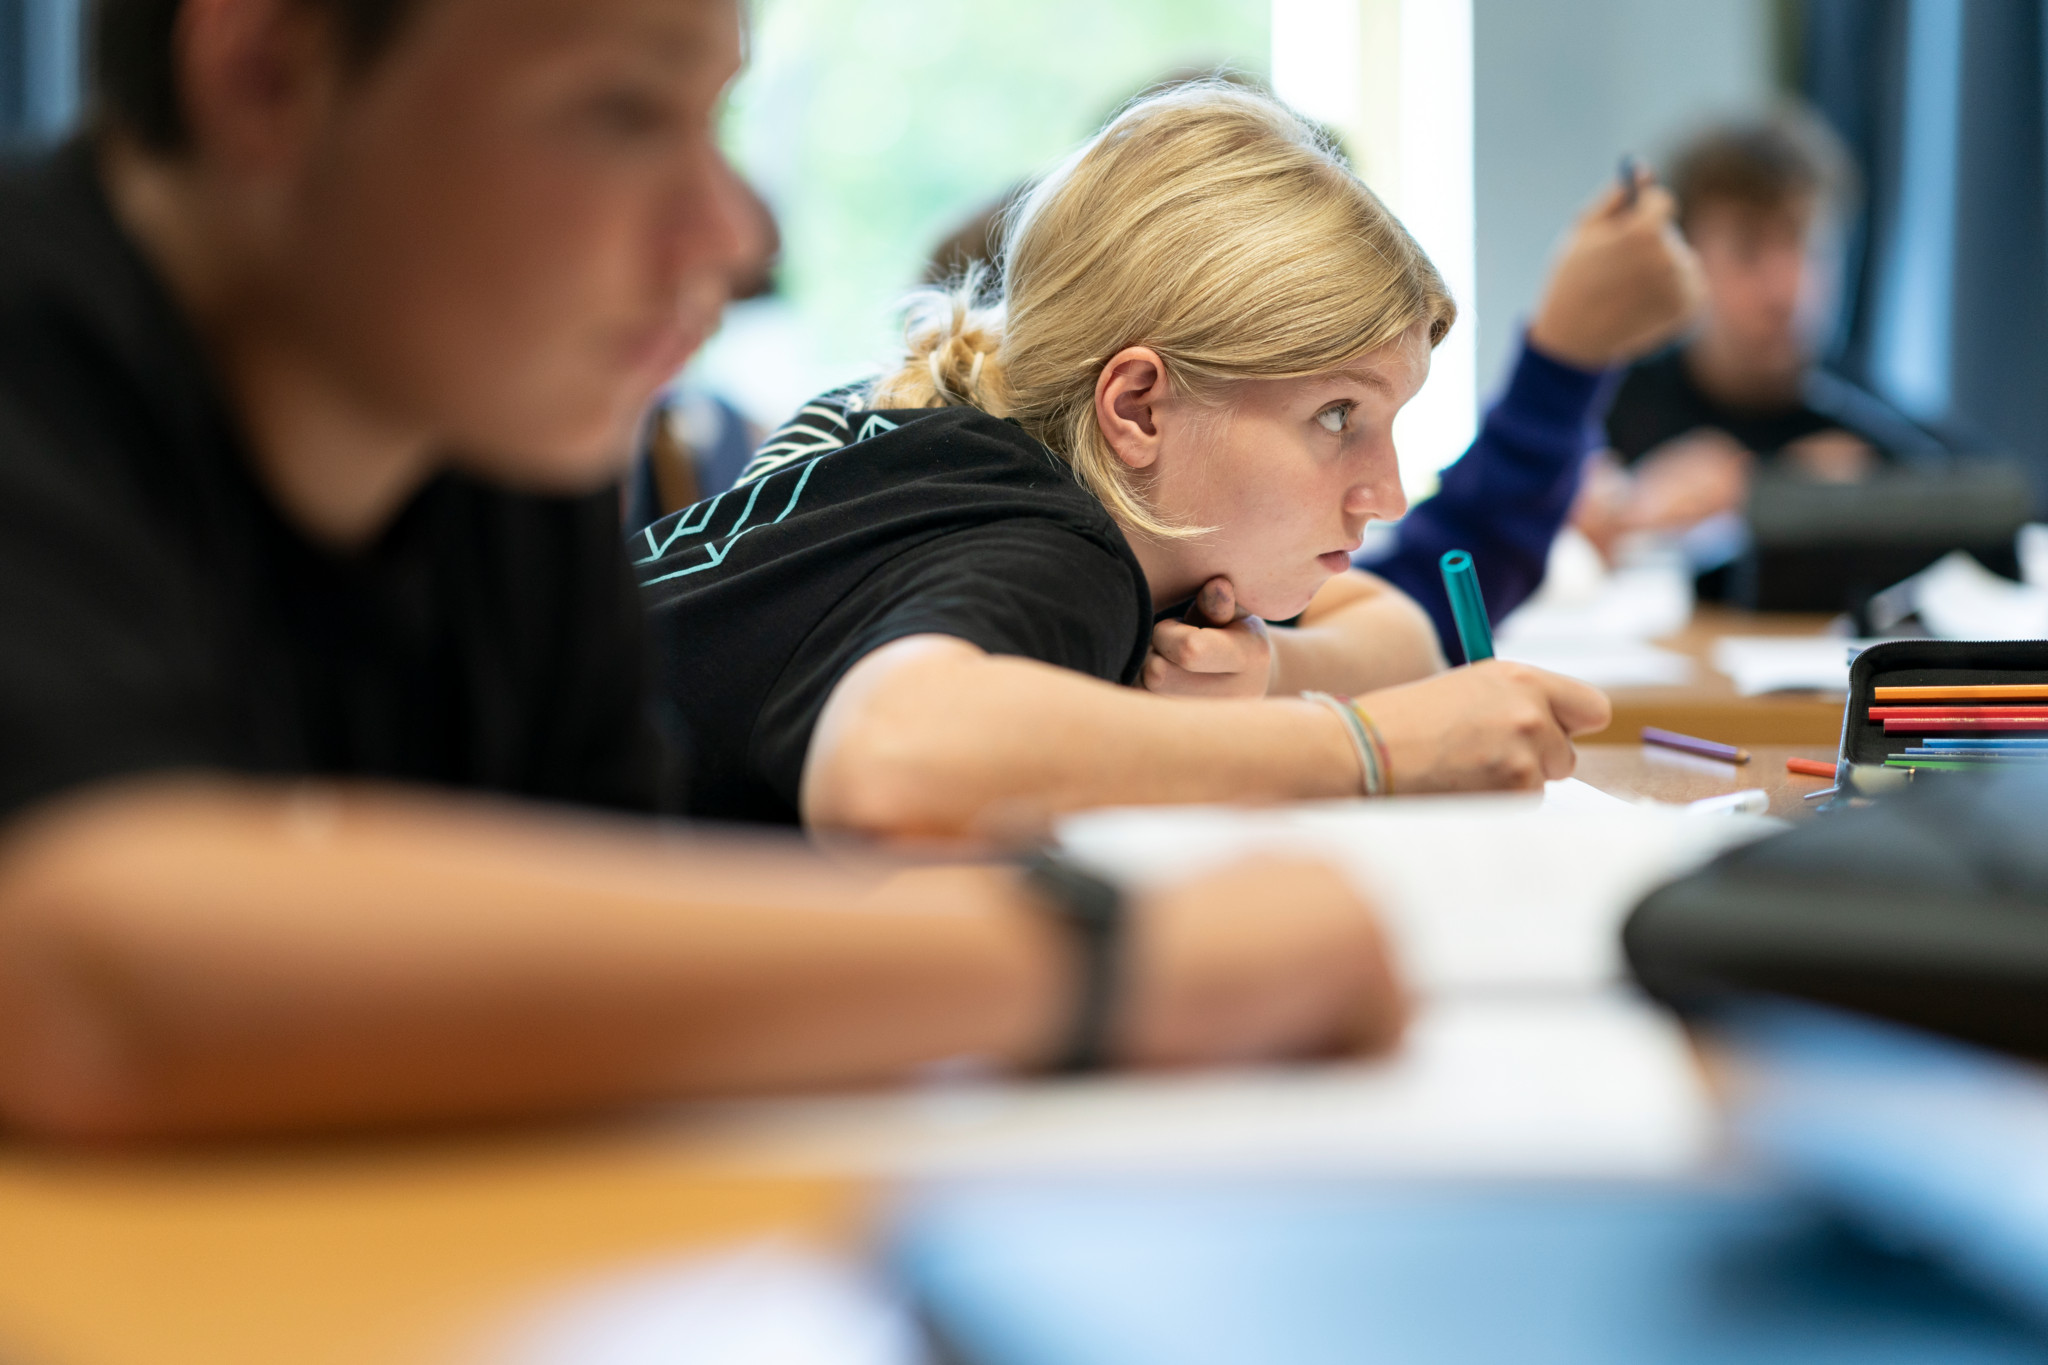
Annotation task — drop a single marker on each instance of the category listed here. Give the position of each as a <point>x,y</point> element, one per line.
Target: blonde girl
<point>1031,569</point>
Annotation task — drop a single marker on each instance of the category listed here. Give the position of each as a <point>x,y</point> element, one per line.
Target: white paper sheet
<point>1604,663</point>
<point>2031,546</point>
<point>1959,599</point>
<point>1573,797</point>
<point>766,1304</point>
<point>1524,1059</point>
<point>1582,601</point>
<point>1596,1085</point>
<point>1477,892</point>
<point>1757,664</point>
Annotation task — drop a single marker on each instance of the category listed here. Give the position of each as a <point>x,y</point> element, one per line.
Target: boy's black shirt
<point>158,613</point>
<point>923,521</point>
<point>1659,400</point>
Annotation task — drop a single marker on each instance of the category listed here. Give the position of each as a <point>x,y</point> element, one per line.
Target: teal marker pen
<point>1468,608</point>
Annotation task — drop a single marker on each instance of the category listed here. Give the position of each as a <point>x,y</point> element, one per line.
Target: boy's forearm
<point>204,958</point>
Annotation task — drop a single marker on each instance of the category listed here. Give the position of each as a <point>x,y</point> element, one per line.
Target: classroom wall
<point>1560,90</point>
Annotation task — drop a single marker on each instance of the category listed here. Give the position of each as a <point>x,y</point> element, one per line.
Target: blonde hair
<point>1209,223</point>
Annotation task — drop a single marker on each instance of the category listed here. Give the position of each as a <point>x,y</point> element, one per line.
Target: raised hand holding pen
<point>1214,651</point>
<point>1624,281</point>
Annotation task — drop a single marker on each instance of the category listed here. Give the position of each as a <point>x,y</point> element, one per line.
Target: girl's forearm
<point>930,736</point>
<point>1360,634</point>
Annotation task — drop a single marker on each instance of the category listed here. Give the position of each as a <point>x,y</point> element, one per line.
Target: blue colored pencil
<point>1977,756</point>
<point>1987,745</point>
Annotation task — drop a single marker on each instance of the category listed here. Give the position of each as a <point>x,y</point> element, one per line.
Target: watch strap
<point>1093,910</point>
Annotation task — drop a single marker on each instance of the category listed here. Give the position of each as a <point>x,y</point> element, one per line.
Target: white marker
<point>1755,801</point>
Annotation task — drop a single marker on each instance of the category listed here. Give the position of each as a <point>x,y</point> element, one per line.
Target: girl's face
<point>1288,471</point>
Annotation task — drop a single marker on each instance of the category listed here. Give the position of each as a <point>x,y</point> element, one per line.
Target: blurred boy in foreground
<point>317,363</point>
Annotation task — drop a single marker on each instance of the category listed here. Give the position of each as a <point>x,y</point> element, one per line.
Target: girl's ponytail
<point>952,339</point>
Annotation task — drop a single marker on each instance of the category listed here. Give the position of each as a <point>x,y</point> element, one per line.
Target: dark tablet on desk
<point>1832,547</point>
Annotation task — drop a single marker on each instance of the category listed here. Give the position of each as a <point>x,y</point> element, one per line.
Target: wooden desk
<point>411,1251</point>
<point>377,1252</point>
<point>1633,771</point>
<point>1709,707</point>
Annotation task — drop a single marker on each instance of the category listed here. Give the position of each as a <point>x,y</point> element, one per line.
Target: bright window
<point>874,127</point>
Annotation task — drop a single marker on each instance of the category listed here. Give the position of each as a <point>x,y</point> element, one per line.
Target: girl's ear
<point>1128,395</point>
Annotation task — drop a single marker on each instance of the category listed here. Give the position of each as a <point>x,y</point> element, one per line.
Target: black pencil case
<point>1859,767</point>
<point>1929,908</point>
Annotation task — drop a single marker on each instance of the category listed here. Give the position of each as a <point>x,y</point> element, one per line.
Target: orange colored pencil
<point>1810,767</point>
<point>1965,692</point>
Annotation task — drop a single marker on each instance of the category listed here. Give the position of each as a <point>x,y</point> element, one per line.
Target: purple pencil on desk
<point>1705,748</point>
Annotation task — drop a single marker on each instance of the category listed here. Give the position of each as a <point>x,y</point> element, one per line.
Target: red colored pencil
<point>2008,712</point>
<point>1928,725</point>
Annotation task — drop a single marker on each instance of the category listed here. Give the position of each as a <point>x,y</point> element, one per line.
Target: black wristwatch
<point>1093,911</point>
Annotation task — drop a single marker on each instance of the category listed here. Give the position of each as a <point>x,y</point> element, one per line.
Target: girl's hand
<point>1230,657</point>
<point>1493,726</point>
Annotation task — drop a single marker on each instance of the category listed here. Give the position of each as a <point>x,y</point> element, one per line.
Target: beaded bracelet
<point>1379,745</point>
<point>1365,741</point>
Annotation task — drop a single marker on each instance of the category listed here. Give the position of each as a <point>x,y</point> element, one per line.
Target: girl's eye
<point>1334,419</point>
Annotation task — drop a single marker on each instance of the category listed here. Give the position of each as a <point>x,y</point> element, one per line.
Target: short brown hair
<point>134,75</point>
<point>1766,164</point>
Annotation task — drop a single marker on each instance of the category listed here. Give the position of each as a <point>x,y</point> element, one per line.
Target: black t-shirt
<point>1660,400</point>
<point>158,613</point>
<point>852,528</point>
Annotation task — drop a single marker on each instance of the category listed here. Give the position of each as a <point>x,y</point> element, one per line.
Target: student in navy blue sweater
<point>1623,284</point>
<point>979,591</point>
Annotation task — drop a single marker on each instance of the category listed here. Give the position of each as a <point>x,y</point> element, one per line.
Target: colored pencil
<point>1974,745</point>
<point>2010,710</point>
<point>1810,767</point>
<point>1927,765</point>
<point>1965,692</point>
<point>1981,755</point>
<point>1958,764</point>
<point>1705,748</point>
<point>1927,725</point>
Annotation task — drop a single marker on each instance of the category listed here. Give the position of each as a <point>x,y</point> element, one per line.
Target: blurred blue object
<point>1928,1142</point>
<point>1305,1273</point>
<point>40,69</point>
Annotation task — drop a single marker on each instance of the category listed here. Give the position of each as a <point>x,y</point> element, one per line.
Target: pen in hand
<point>1468,608</point>
<point>1630,175</point>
